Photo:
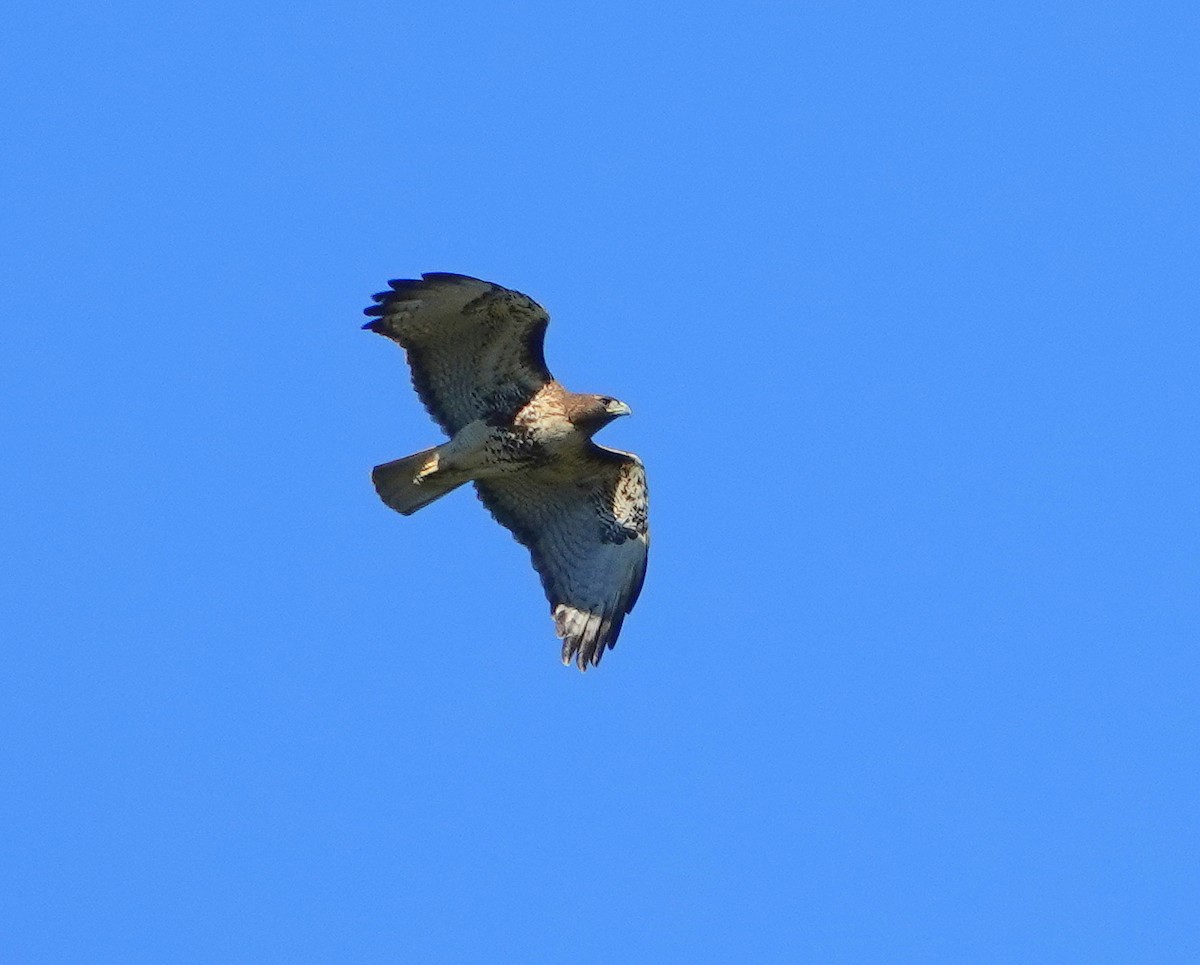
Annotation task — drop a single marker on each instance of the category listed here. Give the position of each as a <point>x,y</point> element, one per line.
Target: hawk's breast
<point>544,418</point>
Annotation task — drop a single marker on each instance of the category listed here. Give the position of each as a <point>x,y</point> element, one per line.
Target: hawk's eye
<point>607,401</point>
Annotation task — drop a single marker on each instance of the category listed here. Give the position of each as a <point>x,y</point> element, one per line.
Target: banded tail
<point>414,482</point>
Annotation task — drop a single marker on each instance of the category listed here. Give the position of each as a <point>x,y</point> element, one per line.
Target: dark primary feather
<point>475,349</point>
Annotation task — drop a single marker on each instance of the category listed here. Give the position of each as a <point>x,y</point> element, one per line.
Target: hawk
<point>525,442</point>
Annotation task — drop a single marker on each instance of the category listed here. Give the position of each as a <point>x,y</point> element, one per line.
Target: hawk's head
<point>591,413</point>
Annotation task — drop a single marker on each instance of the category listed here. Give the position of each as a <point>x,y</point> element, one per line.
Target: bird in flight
<point>525,442</point>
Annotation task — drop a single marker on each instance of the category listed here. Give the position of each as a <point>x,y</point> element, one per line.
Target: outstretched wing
<point>475,348</point>
<point>589,538</point>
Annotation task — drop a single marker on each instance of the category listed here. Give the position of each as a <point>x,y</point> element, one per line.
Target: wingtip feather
<point>586,635</point>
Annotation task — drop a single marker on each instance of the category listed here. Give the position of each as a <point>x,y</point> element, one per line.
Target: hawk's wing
<point>589,538</point>
<point>475,348</point>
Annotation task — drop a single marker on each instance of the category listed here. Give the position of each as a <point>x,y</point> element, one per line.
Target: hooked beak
<point>616,408</point>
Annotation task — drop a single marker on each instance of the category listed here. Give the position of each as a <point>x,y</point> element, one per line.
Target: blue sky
<point>903,298</point>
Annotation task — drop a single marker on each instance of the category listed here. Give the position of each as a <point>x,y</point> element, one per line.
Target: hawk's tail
<point>413,482</point>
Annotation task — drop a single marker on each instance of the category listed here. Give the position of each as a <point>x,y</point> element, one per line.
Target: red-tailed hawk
<point>526,443</point>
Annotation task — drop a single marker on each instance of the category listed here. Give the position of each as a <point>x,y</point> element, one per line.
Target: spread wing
<point>475,348</point>
<point>589,538</point>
